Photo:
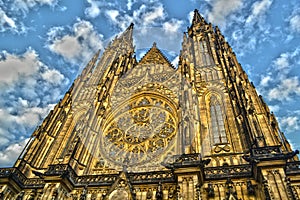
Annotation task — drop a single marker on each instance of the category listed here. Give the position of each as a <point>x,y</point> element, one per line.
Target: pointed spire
<point>124,40</point>
<point>198,18</point>
<point>198,24</point>
<point>127,34</point>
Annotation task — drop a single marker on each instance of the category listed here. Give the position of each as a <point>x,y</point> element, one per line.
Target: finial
<point>154,44</point>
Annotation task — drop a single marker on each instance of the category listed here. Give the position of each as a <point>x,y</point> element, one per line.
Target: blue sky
<point>44,44</point>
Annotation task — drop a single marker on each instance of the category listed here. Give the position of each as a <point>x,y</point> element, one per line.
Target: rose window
<point>140,130</point>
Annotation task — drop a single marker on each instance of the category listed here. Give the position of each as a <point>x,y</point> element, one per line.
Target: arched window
<point>217,122</point>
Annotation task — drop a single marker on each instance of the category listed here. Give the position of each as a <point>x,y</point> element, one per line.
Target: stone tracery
<point>143,130</point>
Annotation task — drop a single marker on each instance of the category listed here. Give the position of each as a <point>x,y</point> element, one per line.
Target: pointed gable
<point>155,56</point>
<point>122,188</point>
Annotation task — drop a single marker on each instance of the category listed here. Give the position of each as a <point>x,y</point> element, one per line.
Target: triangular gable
<point>155,56</point>
<point>121,189</point>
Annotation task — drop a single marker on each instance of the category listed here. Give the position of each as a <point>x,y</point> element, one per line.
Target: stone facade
<point>138,130</point>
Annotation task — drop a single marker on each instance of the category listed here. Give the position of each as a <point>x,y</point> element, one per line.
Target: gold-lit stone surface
<point>139,130</point>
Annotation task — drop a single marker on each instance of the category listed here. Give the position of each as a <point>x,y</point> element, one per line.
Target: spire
<point>198,19</point>
<point>126,37</point>
<point>124,40</point>
<point>198,24</point>
<point>127,34</point>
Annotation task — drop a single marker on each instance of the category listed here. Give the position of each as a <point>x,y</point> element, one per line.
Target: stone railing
<point>227,171</point>
<point>293,168</point>
<point>151,177</point>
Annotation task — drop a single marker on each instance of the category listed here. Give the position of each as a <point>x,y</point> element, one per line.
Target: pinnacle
<point>198,18</point>
<point>154,45</point>
<point>131,25</point>
<point>127,34</point>
<point>97,54</point>
<point>125,39</point>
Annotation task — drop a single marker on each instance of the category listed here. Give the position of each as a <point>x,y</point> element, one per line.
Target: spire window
<point>217,122</point>
<point>205,57</point>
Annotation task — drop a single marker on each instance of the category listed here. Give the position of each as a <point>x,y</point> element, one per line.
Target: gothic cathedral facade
<point>138,130</point>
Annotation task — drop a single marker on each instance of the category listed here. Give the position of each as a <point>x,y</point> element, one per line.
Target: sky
<point>44,44</point>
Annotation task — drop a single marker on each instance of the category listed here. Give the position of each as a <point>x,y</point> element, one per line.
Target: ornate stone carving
<point>139,131</point>
<point>228,171</point>
<point>136,130</point>
<point>119,194</point>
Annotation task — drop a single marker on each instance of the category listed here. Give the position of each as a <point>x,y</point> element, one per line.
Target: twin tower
<point>138,130</point>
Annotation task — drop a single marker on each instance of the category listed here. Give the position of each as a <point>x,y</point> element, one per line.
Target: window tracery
<point>217,122</point>
<point>206,59</point>
<point>140,131</point>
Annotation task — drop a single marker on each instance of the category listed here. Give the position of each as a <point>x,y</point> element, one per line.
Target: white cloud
<point>282,62</point>
<point>53,76</point>
<point>27,67</point>
<point>151,22</point>
<point>165,40</point>
<point>279,83</point>
<point>274,108</point>
<point>68,46</point>
<point>284,90</point>
<point>13,13</point>
<point>77,46</point>
<point>6,21</point>
<point>286,61</point>
<point>94,10</point>
<point>290,123</point>
<point>172,26</point>
<point>31,116</point>
<point>221,9</point>
<point>265,80</point>
<point>295,23</point>
<point>10,154</point>
<point>13,66</point>
<point>112,14</point>
<point>155,14</point>
<point>54,32</point>
<point>24,118</point>
<point>259,8</point>
<point>28,4</point>
<point>28,90</point>
<point>129,4</point>
<point>142,17</point>
<point>6,120</point>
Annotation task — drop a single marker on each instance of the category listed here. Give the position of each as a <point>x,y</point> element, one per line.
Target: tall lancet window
<point>217,122</point>
<point>205,57</point>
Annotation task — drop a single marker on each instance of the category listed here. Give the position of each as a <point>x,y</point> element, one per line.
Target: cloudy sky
<point>44,44</point>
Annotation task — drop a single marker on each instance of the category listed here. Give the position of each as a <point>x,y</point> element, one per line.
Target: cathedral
<point>145,130</point>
